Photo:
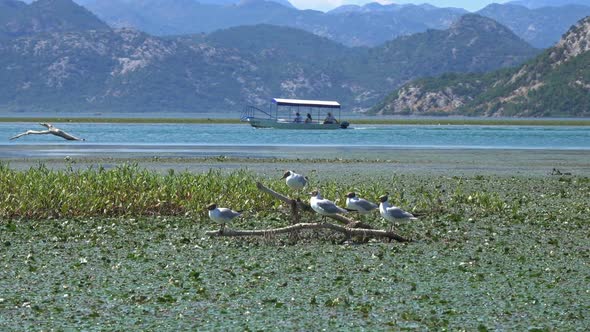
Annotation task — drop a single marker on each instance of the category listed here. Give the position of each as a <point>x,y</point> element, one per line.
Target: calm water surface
<point>156,137</point>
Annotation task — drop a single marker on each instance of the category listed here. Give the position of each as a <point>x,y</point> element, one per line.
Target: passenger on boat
<point>330,119</point>
<point>298,118</point>
<point>308,119</point>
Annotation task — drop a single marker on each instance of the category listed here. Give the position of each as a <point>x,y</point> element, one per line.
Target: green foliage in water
<point>492,253</point>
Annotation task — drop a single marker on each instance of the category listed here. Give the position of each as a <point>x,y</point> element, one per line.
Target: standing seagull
<point>221,215</point>
<point>360,205</point>
<point>323,206</point>
<point>294,181</point>
<point>393,213</point>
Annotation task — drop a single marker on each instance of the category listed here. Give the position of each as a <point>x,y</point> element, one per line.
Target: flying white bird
<point>360,205</point>
<point>323,206</point>
<point>294,181</point>
<point>393,213</point>
<point>51,129</point>
<point>221,216</point>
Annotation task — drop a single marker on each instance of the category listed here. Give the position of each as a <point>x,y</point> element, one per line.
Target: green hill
<point>556,83</point>
<point>45,16</point>
<point>127,70</point>
<point>541,27</point>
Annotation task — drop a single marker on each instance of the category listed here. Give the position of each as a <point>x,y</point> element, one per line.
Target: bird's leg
<point>222,228</point>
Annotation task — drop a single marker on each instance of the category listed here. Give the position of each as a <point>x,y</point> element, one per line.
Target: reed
<point>129,190</point>
<point>125,190</point>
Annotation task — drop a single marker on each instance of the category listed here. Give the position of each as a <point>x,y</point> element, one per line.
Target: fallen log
<point>348,231</point>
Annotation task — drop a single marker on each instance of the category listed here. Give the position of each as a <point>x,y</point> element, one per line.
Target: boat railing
<point>253,112</point>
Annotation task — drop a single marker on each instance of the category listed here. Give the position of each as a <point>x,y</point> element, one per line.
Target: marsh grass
<point>127,251</point>
<point>129,190</point>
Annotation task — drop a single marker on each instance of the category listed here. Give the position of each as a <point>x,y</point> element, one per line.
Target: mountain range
<point>368,25</point>
<point>177,17</point>
<point>556,83</point>
<point>18,19</point>
<point>112,70</point>
<point>548,3</point>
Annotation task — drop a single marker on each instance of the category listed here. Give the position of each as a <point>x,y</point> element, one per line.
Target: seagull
<point>294,181</point>
<point>323,206</point>
<point>393,213</point>
<point>51,129</point>
<point>221,215</point>
<point>360,205</point>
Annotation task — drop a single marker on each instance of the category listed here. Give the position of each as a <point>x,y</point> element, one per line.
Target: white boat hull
<point>272,123</point>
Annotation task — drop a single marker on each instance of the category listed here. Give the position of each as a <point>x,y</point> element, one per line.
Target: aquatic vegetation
<point>125,250</point>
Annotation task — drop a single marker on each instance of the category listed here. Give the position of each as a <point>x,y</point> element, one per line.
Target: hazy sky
<point>325,5</point>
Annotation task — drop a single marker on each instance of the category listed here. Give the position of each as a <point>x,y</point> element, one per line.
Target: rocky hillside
<point>556,83</point>
<point>42,16</point>
<point>176,17</point>
<point>541,27</point>
<point>472,44</point>
<point>127,70</point>
<point>548,3</point>
<point>368,25</point>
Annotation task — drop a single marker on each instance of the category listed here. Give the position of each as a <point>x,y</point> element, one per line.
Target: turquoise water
<point>152,138</point>
<point>411,136</point>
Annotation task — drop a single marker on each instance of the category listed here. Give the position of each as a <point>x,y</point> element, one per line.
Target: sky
<point>325,5</point>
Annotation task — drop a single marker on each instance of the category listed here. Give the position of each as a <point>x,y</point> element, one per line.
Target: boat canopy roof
<point>310,103</point>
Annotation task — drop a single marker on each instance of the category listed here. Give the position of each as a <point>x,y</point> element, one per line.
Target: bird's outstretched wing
<point>31,132</point>
<point>50,130</point>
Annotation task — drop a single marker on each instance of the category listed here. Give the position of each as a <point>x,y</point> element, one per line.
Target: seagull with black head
<point>222,216</point>
<point>294,181</point>
<point>323,206</point>
<point>360,205</point>
<point>393,213</point>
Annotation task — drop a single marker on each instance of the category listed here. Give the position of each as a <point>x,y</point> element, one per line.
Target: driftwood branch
<point>357,232</point>
<point>306,207</point>
<point>351,228</point>
<point>50,130</point>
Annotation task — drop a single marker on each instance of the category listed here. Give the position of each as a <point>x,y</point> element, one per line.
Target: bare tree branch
<point>50,130</point>
<point>351,227</point>
<point>306,207</point>
<point>357,232</point>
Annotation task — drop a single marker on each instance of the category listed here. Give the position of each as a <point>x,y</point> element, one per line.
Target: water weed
<point>125,249</point>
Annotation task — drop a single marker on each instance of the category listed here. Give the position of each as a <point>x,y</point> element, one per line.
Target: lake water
<point>207,139</point>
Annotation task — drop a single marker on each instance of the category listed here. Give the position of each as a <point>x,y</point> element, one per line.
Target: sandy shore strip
<point>332,160</point>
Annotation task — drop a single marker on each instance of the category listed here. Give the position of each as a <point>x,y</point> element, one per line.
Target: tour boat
<point>283,114</point>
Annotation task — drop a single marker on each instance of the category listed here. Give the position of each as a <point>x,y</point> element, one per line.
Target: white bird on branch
<point>50,130</point>
<point>393,213</point>
<point>221,215</point>
<point>360,205</point>
<point>323,206</point>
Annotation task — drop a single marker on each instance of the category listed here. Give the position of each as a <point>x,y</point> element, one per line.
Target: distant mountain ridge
<point>556,83</point>
<point>541,27</point>
<point>369,25</point>
<point>177,17</point>
<point>123,69</point>
<point>533,4</point>
<point>19,19</point>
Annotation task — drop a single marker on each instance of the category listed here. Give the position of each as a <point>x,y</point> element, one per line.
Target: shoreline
<point>444,162</point>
